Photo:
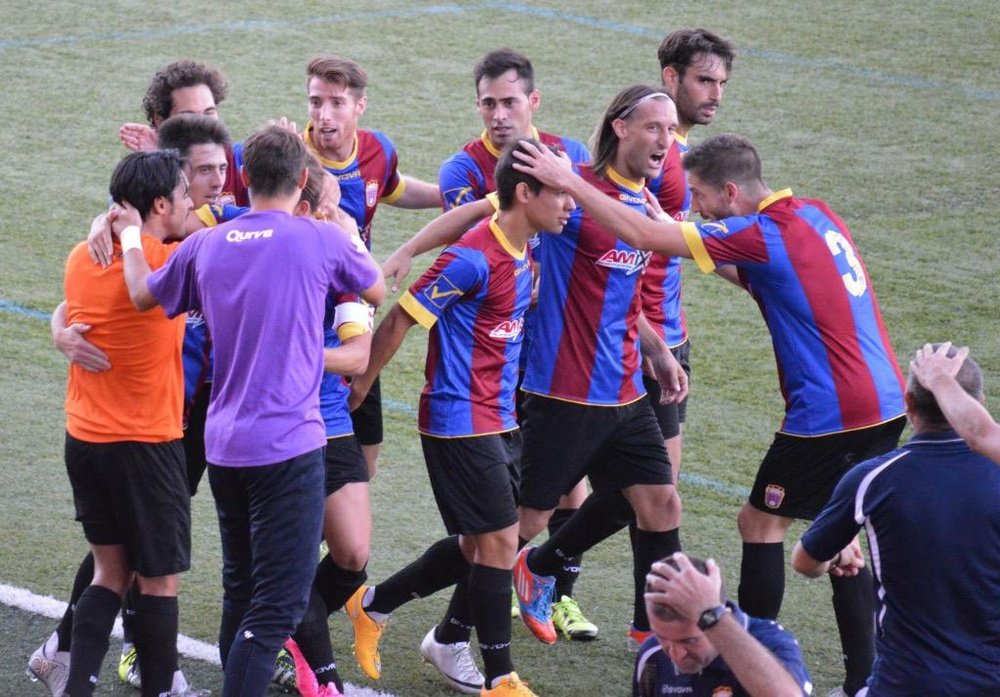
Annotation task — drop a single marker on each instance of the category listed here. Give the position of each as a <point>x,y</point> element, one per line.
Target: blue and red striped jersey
<point>661,284</point>
<point>473,300</point>
<point>798,261</point>
<point>468,174</point>
<point>367,177</point>
<point>584,347</point>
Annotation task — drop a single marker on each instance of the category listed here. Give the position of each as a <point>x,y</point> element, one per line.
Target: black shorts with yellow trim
<point>475,480</point>
<point>345,463</point>
<point>614,446</point>
<point>135,495</point>
<point>798,473</point>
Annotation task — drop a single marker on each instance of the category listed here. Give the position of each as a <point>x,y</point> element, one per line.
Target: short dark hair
<point>726,157</point>
<point>507,177</point>
<point>142,177</point>
<point>273,159</point>
<point>313,190</point>
<point>498,62</point>
<point>183,131</point>
<point>668,613</point>
<point>159,102</point>
<point>339,71</point>
<point>679,49</point>
<point>922,400</point>
<point>604,142</point>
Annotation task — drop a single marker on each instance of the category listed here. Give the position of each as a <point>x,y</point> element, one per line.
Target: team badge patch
<point>440,291</point>
<point>371,193</point>
<point>723,691</point>
<point>774,495</point>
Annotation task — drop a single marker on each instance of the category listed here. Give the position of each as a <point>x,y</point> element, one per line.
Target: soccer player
<point>123,445</point>
<point>264,434</point>
<point>365,163</point>
<point>473,301</point>
<point>842,386</point>
<point>347,510</point>
<point>200,141</point>
<point>930,510</point>
<point>694,66</point>
<point>185,87</point>
<point>704,645</point>
<point>506,99</point>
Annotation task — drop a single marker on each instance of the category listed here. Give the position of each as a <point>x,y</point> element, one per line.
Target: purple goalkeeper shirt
<point>261,282</point>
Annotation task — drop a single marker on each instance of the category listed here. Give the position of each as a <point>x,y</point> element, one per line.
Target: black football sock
<point>92,622</point>
<point>130,605</point>
<point>84,575</point>
<point>648,547</point>
<point>762,579</point>
<point>155,639</point>
<point>601,516</point>
<point>336,584</point>
<point>570,571</point>
<point>490,590</point>
<point>457,623</point>
<point>440,566</point>
<point>313,638</point>
<point>854,607</point>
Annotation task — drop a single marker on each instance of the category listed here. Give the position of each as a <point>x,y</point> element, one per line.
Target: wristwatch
<point>711,617</point>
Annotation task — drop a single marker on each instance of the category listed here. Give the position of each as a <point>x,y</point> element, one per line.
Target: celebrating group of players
<point>559,291</point>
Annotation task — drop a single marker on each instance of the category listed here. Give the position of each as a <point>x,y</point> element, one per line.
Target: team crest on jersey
<point>508,329</point>
<point>723,691</point>
<point>774,495</point>
<point>439,292</point>
<point>371,193</point>
<point>630,262</point>
<point>226,198</point>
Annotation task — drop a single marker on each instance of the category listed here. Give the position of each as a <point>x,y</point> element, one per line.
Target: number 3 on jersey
<point>854,279</point>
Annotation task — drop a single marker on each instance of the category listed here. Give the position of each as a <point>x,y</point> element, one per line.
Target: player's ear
<point>671,80</point>
<point>361,105</point>
<point>534,99</point>
<point>620,128</point>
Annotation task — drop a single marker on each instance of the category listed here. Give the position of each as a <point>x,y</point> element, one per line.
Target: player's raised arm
<point>443,230</point>
<point>635,229</point>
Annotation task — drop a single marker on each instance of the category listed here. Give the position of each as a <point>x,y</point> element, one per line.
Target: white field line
<point>47,606</point>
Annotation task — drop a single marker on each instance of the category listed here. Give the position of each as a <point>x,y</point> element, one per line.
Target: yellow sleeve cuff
<point>349,330</point>
<point>418,312</point>
<point>697,246</point>
<point>395,194</point>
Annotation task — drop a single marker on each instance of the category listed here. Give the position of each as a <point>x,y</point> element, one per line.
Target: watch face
<point>711,617</point>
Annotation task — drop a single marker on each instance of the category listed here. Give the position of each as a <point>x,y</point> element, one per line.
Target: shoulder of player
<point>373,141</point>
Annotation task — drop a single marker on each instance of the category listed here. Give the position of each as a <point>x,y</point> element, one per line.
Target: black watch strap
<point>711,617</point>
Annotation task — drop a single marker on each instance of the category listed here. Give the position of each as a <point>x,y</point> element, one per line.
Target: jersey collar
<point>329,164</point>
<point>492,149</point>
<point>501,237</point>
<point>633,185</point>
<point>776,196</point>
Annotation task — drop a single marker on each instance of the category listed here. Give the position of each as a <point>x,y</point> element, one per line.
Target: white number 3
<point>854,278</point>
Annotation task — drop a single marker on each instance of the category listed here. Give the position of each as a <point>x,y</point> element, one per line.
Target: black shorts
<point>136,495</point>
<point>475,480</point>
<point>367,418</point>
<point>194,437</point>
<point>615,447</point>
<point>345,463</point>
<point>670,416</point>
<point>798,474</point>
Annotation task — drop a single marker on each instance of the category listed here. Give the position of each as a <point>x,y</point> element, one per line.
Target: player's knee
<point>162,586</point>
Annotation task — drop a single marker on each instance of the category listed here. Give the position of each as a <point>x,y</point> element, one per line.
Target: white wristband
<point>130,238</point>
<point>356,312</point>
